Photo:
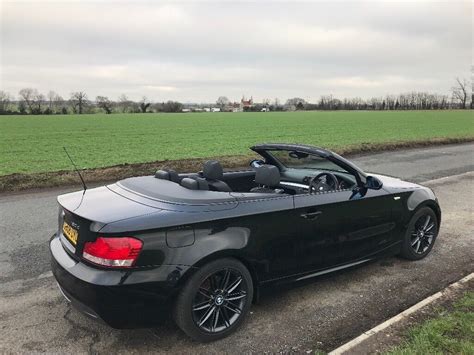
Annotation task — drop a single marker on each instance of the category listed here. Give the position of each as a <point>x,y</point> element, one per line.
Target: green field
<point>31,144</point>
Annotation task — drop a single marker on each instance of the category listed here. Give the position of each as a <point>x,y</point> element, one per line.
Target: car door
<point>370,225</point>
<point>342,226</point>
<point>275,243</point>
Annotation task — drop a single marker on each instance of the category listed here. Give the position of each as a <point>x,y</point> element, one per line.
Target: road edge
<point>347,347</point>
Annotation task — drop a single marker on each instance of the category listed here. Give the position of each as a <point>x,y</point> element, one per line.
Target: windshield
<point>300,160</point>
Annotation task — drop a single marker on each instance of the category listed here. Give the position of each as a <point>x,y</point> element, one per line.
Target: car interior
<point>262,178</point>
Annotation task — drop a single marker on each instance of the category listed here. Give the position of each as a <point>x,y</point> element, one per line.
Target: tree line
<point>30,101</point>
<point>459,99</point>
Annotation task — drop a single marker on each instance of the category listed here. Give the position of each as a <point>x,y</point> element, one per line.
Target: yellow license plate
<point>70,233</point>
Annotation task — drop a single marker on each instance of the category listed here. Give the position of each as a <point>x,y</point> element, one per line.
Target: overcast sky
<point>196,51</point>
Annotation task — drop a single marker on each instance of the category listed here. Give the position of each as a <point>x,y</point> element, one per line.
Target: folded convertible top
<point>171,192</point>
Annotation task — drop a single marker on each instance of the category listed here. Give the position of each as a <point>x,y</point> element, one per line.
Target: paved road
<point>319,314</point>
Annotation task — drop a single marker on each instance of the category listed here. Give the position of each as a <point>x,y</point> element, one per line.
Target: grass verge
<point>22,181</point>
<point>450,332</point>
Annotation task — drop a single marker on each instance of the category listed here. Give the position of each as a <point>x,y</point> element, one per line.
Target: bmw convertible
<point>201,246</point>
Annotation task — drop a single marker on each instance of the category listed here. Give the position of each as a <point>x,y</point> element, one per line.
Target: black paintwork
<point>279,237</point>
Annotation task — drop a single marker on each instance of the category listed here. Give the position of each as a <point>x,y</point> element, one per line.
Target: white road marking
<point>447,178</point>
<point>366,335</point>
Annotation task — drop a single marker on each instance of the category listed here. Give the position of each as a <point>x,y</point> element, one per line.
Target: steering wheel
<point>317,185</point>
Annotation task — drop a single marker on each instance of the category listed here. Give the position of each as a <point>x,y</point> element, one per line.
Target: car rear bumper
<point>122,299</point>
<point>78,305</point>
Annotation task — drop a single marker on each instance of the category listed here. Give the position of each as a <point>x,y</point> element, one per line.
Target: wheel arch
<point>435,207</point>
<point>222,254</point>
<point>423,198</point>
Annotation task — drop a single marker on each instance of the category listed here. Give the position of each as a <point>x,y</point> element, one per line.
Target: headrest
<point>267,175</point>
<point>212,170</point>
<point>168,174</point>
<point>195,183</point>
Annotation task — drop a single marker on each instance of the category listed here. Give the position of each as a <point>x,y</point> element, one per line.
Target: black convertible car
<point>200,246</point>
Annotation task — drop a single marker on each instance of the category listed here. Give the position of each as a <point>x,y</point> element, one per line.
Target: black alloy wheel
<point>420,235</point>
<point>215,300</point>
<point>219,300</point>
<point>423,234</point>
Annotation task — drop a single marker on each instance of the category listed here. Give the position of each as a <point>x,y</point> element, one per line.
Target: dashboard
<point>300,178</point>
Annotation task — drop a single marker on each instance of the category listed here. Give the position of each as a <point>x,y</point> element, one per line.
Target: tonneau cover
<point>171,192</point>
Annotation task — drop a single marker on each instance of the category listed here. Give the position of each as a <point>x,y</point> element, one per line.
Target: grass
<point>32,144</point>
<point>451,332</point>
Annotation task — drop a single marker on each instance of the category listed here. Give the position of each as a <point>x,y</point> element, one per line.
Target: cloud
<point>199,50</point>
<point>160,88</point>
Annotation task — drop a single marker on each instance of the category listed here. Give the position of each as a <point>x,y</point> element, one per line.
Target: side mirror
<point>373,183</point>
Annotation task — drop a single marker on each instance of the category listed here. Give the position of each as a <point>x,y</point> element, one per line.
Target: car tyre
<point>420,234</point>
<point>215,300</point>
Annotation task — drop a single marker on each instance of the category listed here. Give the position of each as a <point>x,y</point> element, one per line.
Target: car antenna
<point>77,170</point>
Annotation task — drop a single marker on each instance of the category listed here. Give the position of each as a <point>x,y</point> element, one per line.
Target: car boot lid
<point>103,206</point>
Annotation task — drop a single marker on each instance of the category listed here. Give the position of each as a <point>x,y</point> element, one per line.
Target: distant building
<point>246,104</point>
<point>232,107</point>
<point>215,109</point>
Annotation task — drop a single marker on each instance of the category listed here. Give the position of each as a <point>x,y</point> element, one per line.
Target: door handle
<point>310,215</point>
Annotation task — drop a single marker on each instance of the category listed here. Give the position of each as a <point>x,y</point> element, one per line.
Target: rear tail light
<point>114,252</point>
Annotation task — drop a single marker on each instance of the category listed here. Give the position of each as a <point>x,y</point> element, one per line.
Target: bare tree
<point>55,103</point>
<point>39,100</point>
<point>5,101</point>
<point>295,103</point>
<point>460,92</point>
<point>28,95</point>
<point>104,103</point>
<point>53,100</point>
<point>22,107</point>
<point>222,102</point>
<point>78,101</point>
<point>144,104</point>
<point>50,97</point>
<point>58,104</point>
<point>33,100</point>
<point>124,103</point>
